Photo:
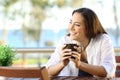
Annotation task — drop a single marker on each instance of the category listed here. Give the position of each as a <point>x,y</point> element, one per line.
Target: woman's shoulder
<point>105,37</point>
<point>102,38</point>
<point>65,39</point>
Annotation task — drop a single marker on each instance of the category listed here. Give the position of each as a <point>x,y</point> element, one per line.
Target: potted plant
<point>7,54</point>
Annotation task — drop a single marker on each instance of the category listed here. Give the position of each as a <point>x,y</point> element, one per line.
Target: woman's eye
<point>77,24</point>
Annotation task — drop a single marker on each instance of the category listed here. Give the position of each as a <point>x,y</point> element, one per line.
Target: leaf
<point>6,55</point>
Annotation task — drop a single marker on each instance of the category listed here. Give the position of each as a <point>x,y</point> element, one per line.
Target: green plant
<point>7,54</point>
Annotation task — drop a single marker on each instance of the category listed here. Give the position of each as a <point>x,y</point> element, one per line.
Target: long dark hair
<point>92,23</point>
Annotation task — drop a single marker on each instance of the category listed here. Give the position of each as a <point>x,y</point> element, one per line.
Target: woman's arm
<point>55,69</point>
<point>93,69</point>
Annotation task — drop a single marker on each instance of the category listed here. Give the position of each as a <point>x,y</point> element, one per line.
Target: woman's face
<point>77,27</point>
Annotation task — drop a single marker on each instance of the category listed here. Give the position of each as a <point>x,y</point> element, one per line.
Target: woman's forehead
<point>77,17</point>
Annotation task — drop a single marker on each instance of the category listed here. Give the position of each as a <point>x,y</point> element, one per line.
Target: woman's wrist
<point>62,64</point>
<point>78,64</point>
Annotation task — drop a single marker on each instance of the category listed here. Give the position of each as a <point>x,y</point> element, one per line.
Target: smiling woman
<point>85,30</point>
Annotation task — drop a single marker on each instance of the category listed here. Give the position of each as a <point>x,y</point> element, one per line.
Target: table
<point>65,78</point>
<point>81,78</point>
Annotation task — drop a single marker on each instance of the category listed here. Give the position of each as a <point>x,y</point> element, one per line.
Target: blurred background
<point>35,26</point>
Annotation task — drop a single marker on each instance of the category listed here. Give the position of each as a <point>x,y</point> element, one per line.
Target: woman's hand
<point>77,58</point>
<point>82,51</point>
<point>66,55</point>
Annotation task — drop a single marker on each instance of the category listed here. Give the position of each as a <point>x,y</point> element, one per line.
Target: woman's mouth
<point>73,33</point>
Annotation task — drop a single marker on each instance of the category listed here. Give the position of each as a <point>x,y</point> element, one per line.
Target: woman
<point>97,56</point>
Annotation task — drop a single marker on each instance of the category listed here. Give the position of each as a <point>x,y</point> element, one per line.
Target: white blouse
<point>100,51</point>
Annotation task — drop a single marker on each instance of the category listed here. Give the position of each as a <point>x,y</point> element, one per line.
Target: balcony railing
<point>43,50</point>
<point>35,50</point>
<point>40,54</point>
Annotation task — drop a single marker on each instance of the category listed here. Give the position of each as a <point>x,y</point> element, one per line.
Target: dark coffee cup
<point>71,46</point>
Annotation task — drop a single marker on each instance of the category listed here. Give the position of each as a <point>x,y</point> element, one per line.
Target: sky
<point>104,12</point>
<point>60,20</point>
<point>61,17</point>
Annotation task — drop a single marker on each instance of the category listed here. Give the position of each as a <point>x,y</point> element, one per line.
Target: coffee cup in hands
<point>71,46</point>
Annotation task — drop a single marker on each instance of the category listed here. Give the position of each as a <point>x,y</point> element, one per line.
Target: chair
<point>22,72</point>
<point>117,73</point>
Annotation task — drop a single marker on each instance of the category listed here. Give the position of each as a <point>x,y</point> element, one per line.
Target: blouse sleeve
<point>108,57</point>
<point>56,56</point>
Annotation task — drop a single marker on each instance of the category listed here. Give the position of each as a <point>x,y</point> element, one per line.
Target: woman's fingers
<point>76,58</point>
<point>75,55</point>
<point>66,54</point>
<point>79,49</point>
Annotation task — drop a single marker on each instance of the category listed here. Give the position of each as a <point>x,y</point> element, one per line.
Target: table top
<point>81,78</point>
<point>64,78</point>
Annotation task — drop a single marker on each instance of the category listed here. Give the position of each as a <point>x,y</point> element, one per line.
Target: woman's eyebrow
<point>77,22</point>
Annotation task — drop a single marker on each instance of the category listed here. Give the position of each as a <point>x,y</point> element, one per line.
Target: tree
<point>116,22</point>
<point>6,5</point>
<point>37,16</point>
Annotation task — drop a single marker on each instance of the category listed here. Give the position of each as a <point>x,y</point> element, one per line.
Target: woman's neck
<point>85,42</point>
